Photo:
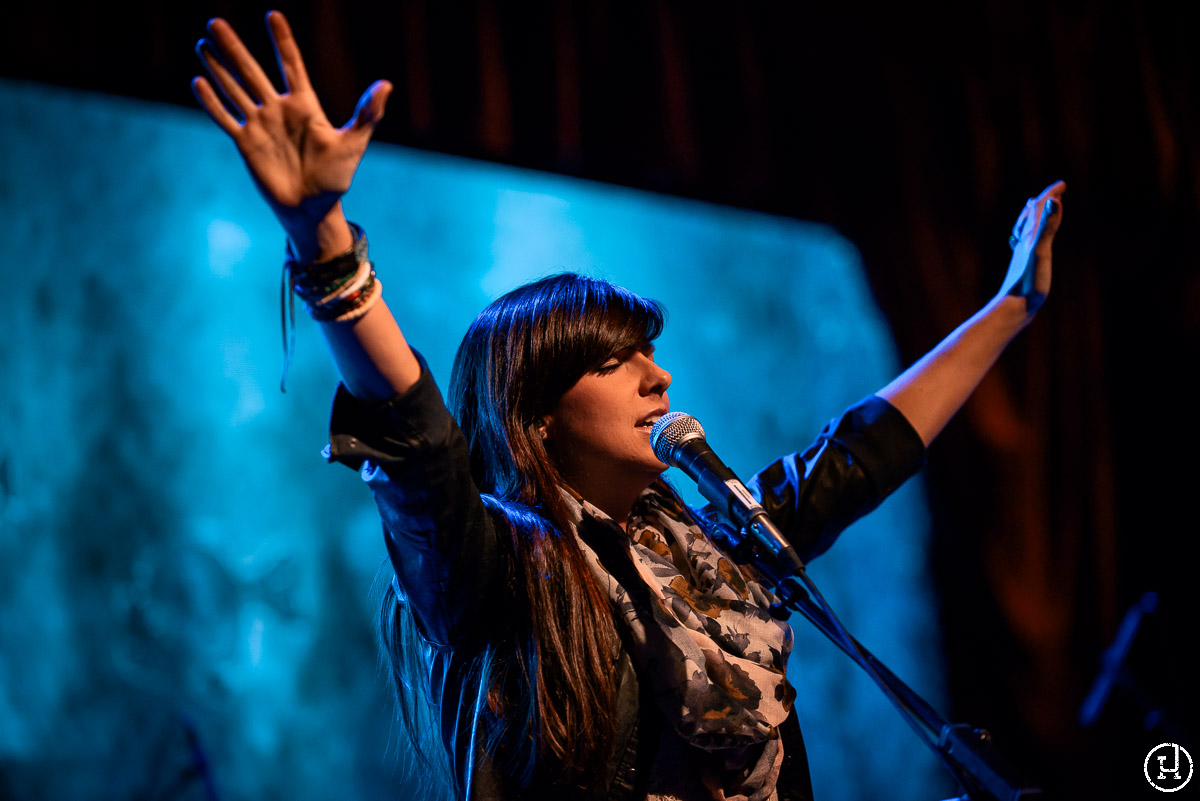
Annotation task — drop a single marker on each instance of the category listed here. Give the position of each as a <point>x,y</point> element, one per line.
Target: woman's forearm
<point>931,391</point>
<point>372,355</point>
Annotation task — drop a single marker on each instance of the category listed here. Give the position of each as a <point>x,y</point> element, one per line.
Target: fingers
<point>1040,218</point>
<point>1018,231</point>
<point>1049,204</point>
<point>1054,190</point>
<point>1049,210</point>
<point>287,54</point>
<point>369,110</point>
<point>234,92</point>
<point>238,75</point>
<point>1049,222</point>
<point>204,93</point>
<point>248,69</point>
<point>367,115</point>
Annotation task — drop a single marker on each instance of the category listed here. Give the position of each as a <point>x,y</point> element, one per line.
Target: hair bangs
<point>521,355</point>
<point>588,320</point>
<point>619,320</point>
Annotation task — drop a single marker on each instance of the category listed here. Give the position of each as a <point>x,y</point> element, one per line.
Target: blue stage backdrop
<point>186,583</point>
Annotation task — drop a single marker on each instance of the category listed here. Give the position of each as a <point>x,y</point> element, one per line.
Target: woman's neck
<point>615,501</point>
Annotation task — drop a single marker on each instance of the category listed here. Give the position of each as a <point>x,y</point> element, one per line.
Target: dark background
<point>1063,492</point>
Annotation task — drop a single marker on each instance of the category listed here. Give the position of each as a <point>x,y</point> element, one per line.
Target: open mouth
<point>647,422</point>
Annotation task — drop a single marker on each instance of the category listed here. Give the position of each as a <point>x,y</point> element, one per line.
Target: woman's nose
<point>655,378</point>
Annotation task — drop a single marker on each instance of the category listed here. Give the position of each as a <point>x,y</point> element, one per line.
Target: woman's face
<point>600,429</point>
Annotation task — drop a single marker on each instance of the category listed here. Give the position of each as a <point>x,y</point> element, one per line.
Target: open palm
<point>301,163</point>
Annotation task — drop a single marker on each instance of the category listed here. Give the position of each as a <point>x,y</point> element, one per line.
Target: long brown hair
<point>549,694</point>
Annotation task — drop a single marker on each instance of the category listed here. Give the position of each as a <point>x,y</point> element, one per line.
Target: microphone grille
<point>671,429</point>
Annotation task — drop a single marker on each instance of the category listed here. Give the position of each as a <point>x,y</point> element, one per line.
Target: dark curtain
<point>1060,495</point>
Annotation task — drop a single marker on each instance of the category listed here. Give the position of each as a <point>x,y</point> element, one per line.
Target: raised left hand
<point>1029,271</point>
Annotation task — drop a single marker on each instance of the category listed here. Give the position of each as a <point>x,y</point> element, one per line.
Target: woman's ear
<point>544,428</point>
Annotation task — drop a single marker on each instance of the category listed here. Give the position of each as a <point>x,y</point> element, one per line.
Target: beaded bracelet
<point>353,305</point>
<point>337,290</point>
<point>346,288</point>
<point>372,293</point>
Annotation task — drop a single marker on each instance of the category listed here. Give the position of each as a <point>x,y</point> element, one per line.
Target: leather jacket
<point>450,567</point>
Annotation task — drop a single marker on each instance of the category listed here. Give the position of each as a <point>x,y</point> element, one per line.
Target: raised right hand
<point>300,162</point>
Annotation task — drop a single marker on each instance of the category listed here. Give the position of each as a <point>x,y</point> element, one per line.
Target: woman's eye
<point>616,360</point>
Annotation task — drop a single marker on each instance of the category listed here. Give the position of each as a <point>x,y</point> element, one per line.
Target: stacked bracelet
<point>341,289</point>
<point>337,290</point>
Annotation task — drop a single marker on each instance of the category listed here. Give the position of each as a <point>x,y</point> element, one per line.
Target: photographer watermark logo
<point>1168,767</point>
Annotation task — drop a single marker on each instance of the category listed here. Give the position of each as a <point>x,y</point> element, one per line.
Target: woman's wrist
<point>1020,307</point>
<point>330,237</point>
<point>339,289</point>
<point>1010,313</point>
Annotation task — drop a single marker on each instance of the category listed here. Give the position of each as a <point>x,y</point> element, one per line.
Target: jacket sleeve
<point>440,537</point>
<point>856,462</point>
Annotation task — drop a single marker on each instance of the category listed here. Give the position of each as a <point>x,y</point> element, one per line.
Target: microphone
<point>678,440</point>
<point>1112,670</point>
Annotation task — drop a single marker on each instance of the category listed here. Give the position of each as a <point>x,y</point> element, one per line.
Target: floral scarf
<point>701,630</point>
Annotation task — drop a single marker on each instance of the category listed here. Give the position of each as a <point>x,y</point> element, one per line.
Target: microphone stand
<point>966,751</point>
